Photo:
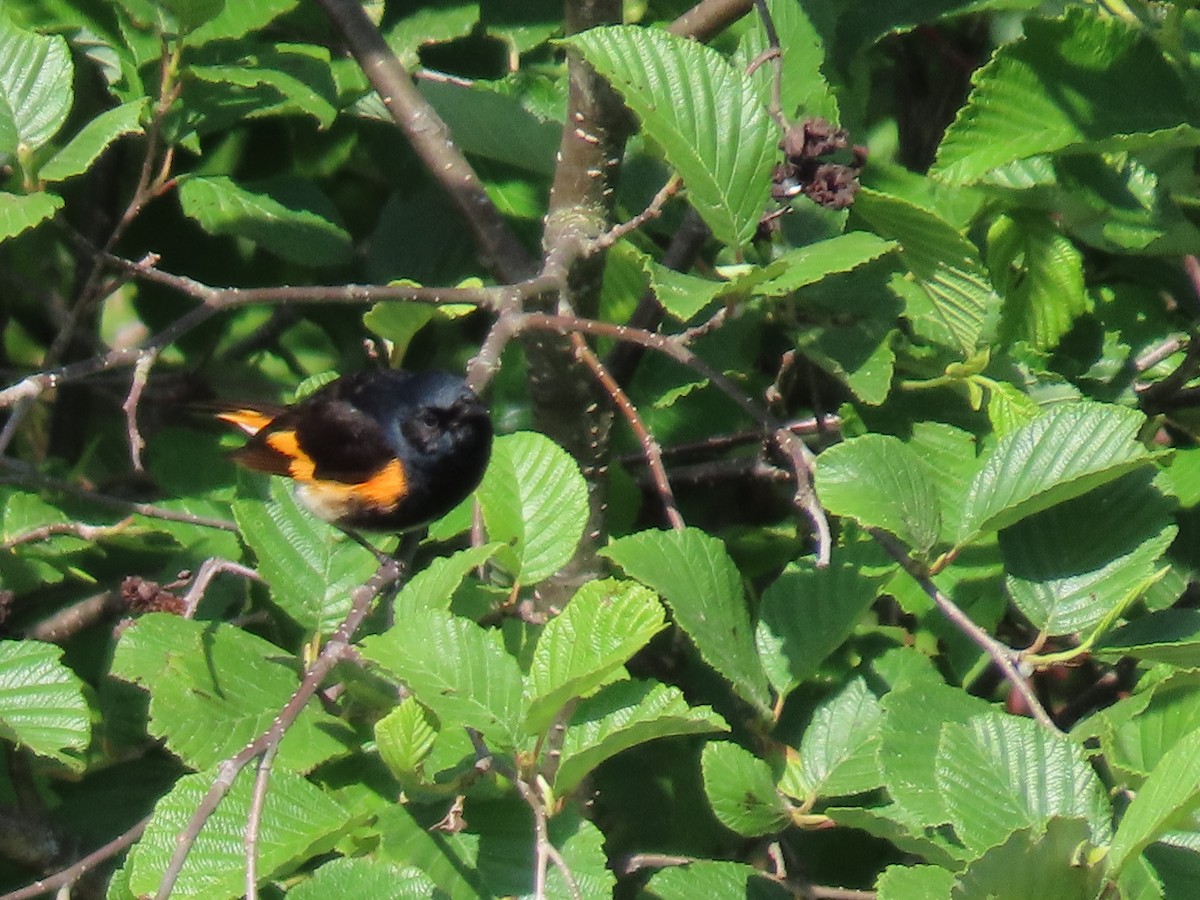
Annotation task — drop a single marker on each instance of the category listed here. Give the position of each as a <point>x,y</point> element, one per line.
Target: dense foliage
<point>843,524</point>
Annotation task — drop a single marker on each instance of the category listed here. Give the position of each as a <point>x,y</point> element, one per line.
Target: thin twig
<point>360,604</point>
<point>650,447</point>
<point>652,211</point>
<point>798,455</point>
<point>141,374</point>
<point>262,778</point>
<point>709,17</point>
<point>75,871</point>
<point>1005,658</point>
<point>544,849</point>
<point>775,55</point>
<point>209,570</point>
<point>498,246</point>
<point>77,529</point>
<point>67,622</point>
<point>29,478</point>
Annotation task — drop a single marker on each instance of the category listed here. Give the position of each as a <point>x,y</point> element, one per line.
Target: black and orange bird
<point>383,451</point>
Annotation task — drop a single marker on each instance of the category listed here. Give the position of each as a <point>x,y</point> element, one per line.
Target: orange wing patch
<point>251,421</point>
<point>386,488</point>
<point>333,500</point>
<point>300,464</point>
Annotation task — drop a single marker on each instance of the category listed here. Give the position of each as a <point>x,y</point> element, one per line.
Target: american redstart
<point>384,450</point>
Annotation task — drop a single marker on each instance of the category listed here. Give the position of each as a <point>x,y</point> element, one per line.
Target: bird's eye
<point>423,428</point>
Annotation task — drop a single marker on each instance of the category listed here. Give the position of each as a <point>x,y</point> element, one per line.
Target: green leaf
<point>702,112</point>
<point>808,612</point>
<point>534,498</point>
<point>494,126</point>
<point>706,878</point>
<point>837,752</point>
<point>493,856</point>
<point>295,815</point>
<point>1068,451</point>
<point>398,324</point>
<point>583,647</point>
<point>214,688</point>
<point>804,89</point>
<point>909,833</point>
<point>955,296</point>
<point>1044,862</point>
<point>189,14</point>
<point>283,78</point>
<point>457,669</point>
<point>914,883</point>
<point>292,220</point>
<point>434,586</point>
<point>36,77</point>
<point>1065,86</point>
<point>309,566</point>
<point>1137,731</point>
<point>680,294</point>
<point>692,571</point>
<point>622,715</point>
<point>880,482</point>
<point>998,773</point>
<point>93,139</point>
<point>1170,793</point>
<point>1008,408</point>
<point>807,265</point>
<point>1169,636</point>
<point>1040,274</point>
<point>912,723</point>
<point>42,706</point>
<point>741,790</point>
<point>239,18</point>
<point>367,878</point>
<point>949,455</point>
<point>20,212</point>
<point>1069,565</point>
<point>405,737</point>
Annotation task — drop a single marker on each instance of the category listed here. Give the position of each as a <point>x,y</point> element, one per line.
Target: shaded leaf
<point>290,220</point>
<point>1047,863</point>
<point>1069,565</point>
<point>741,790</point>
<point>1040,273</point>
<point>807,612</point>
<point>956,294</point>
